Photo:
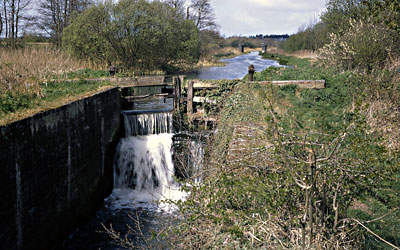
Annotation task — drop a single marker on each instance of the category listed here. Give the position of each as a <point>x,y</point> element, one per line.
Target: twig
<point>374,234</point>
<point>382,216</point>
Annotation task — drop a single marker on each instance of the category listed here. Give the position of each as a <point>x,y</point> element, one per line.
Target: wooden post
<point>175,82</point>
<point>264,48</point>
<point>251,73</point>
<point>190,98</point>
<point>181,81</point>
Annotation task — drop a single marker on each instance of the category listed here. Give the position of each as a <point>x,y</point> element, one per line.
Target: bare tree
<point>56,14</point>
<point>178,4</point>
<point>13,13</point>
<point>5,18</point>
<point>201,12</point>
<point>1,23</point>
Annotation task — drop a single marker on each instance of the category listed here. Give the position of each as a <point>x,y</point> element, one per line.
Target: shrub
<point>364,46</point>
<point>136,34</point>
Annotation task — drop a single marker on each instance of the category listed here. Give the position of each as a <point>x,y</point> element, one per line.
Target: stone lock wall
<point>56,169</point>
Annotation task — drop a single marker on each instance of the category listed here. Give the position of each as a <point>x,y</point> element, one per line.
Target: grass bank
<point>17,106</point>
<point>22,76</point>
<point>38,78</point>
<point>290,168</point>
<point>212,59</point>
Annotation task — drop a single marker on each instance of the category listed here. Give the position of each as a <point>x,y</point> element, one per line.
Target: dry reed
<point>383,105</point>
<point>22,70</point>
<point>299,54</point>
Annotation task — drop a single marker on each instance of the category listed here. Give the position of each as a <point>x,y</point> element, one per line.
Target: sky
<point>252,17</point>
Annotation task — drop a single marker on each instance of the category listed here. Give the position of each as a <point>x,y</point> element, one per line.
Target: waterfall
<point>137,123</point>
<point>143,166</point>
<point>189,156</point>
<point>195,162</point>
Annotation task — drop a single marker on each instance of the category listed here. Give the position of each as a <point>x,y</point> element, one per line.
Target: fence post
<point>190,98</point>
<point>251,72</point>
<point>176,100</point>
<point>181,81</point>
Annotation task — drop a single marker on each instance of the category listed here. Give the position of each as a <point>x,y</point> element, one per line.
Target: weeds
<point>15,106</point>
<point>363,47</point>
<point>22,70</point>
<point>286,167</point>
<point>22,73</point>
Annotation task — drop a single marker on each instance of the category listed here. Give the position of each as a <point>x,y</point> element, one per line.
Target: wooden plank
<point>204,85</point>
<point>203,99</point>
<point>124,82</point>
<point>181,81</point>
<point>303,84</point>
<point>142,81</point>
<point>190,98</point>
<point>150,96</point>
<point>201,117</point>
<point>177,91</point>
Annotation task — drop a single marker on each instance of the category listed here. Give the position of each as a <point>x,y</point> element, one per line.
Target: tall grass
<point>22,76</point>
<point>22,70</point>
<point>251,196</point>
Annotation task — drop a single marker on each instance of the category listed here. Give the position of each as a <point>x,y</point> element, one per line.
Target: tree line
<point>134,33</point>
<point>355,33</point>
<point>275,37</point>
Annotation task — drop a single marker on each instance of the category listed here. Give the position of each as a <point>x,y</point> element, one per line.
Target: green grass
<point>222,55</point>
<point>87,73</point>
<point>327,111</point>
<point>323,109</point>
<point>55,90</point>
<point>299,69</point>
<point>95,74</point>
<point>246,186</point>
<point>52,94</point>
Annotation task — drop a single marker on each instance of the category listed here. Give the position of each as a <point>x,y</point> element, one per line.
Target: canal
<point>144,170</point>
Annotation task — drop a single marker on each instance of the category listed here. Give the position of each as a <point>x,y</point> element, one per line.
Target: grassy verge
<point>16,106</point>
<point>290,167</point>
<point>23,72</point>
<point>212,59</point>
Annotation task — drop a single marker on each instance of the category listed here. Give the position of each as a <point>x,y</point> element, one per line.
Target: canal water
<point>235,68</point>
<point>144,170</point>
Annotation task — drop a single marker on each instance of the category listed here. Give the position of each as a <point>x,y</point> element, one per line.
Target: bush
<point>312,38</point>
<point>363,47</point>
<point>136,34</point>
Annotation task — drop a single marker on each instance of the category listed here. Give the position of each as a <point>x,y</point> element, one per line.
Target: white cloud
<point>239,17</point>
<point>286,4</point>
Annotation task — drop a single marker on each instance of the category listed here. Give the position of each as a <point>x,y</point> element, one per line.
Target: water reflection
<point>236,68</point>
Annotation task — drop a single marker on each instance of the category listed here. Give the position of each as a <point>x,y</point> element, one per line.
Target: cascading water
<point>137,123</point>
<point>195,162</point>
<point>143,166</point>
<point>144,173</point>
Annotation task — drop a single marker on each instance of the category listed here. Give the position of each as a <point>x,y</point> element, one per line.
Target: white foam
<point>143,174</point>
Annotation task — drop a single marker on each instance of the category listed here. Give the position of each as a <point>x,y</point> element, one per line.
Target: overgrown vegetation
<point>359,33</point>
<point>292,168</point>
<point>22,76</point>
<point>318,169</point>
<point>22,70</point>
<point>15,106</point>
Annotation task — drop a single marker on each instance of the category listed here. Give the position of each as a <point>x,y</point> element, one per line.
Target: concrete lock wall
<point>56,169</point>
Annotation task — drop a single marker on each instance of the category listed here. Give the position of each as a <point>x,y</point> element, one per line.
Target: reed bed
<point>31,81</point>
<point>22,70</point>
